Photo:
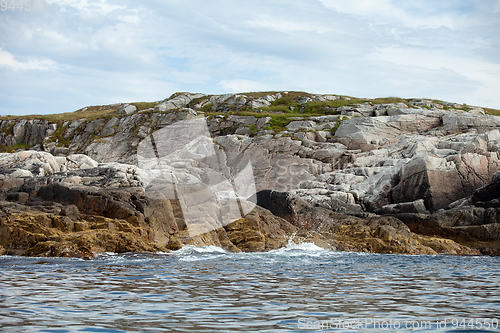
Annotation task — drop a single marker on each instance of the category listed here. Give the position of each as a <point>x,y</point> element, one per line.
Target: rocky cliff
<point>384,175</point>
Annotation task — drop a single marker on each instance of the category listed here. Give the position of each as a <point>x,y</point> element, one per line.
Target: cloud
<point>8,60</point>
<point>285,25</point>
<point>485,75</point>
<point>241,85</point>
<point>385,11</point>
<point>95,51</point>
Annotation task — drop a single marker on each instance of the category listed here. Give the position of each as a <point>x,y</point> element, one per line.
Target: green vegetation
<point>197,101</point>
<point>290,100</point>
<point>278,108</point>
<point>280,111</point>
<point>206,107</point>
<point>90,113</point>
<point>58,136</point>
<point>278,122</point>
<point>144,105</point>
<point>334,129</point>
<point>13,148</point>
<point>253,130</point>
<point>493,112</point>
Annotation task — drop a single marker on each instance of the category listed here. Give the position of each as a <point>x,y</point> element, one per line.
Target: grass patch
<point>197,101</point>
<point>323,108</point>
<point>388,100</point>
<point>144,105</point>
<point>277,108</point>
<point>89,113</point>
<point>278,122</point>
<point>493,112</point>
<point>334,129</point>
<point>13,148</point>
<point>253,130</point>
<point>207,107</point>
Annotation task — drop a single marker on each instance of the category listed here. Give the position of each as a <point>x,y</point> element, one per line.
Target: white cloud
<point>242,85</point>
<point>99,49</point>
<point>383,11</point>
<point>101,6</point>
<point>485,74</point>
<point>284,25</point>
<point>8,60</point>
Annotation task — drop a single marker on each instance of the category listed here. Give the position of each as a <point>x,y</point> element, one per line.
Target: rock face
<point>416,160</point>
<point>473,220</point>
<point>370,233</point>
<point>84,211</point>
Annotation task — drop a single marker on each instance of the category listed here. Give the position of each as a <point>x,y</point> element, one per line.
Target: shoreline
<point>372,175</point>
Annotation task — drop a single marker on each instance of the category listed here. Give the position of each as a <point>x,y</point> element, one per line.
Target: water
<point>301,288</point>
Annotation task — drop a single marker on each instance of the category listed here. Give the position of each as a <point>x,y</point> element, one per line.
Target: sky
<point>77,53</point>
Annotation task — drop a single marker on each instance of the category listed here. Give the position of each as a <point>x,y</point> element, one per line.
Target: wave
<point>301,249</point>
<point>191,249</point>
<point>190,252</point>
<point>195,253</point>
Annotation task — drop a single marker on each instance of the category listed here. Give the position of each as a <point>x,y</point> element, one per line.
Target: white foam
<point>301,249</point>
<point>191,249</point>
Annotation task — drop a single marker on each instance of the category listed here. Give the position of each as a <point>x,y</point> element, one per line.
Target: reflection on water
<point>208,290</point>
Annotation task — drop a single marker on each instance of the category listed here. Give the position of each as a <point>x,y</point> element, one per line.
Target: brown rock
<point>71,211</point>
<point>174,244</point>
<point>20,197</point>
<point>259,231</point>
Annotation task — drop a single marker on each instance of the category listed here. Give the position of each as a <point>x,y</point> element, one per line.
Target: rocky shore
<point>384,175</point>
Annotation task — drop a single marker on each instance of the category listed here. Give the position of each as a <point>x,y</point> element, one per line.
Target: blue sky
<point>92,52</point>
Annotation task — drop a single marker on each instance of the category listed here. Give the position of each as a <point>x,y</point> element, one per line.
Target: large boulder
<point>177,102</point>
<point>441,181</point>
<point>370,130</point>
<point>259,231</point>
<point>127,109</point>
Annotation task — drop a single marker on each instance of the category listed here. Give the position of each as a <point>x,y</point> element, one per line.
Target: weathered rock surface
<point>410,159</point>
<point>100,209</point>
<point>370,233</point>
<point>473,220</point>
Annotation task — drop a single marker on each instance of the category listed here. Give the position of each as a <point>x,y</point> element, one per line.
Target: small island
<point>386,175</point>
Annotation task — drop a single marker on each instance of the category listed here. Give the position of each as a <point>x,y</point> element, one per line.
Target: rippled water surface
<point>298,289</point>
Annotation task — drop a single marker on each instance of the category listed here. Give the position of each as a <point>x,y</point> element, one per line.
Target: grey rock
<point>242,131</point>
<point>177,102</point>
<point>416,206</point>
<point>19,130</point>
<point>127,109</point>
<point>94,126</point>
<point>262,122</point>
<point>296,125</point>
<point>304,100</point>
<point>259,103</point>
<point>465,122</point>
<point>325,98</point>
<point>368,129</point>
<point>321,136</point>
<point>109,128</point>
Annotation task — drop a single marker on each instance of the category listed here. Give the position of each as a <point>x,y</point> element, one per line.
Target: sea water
<point>300,288</point>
